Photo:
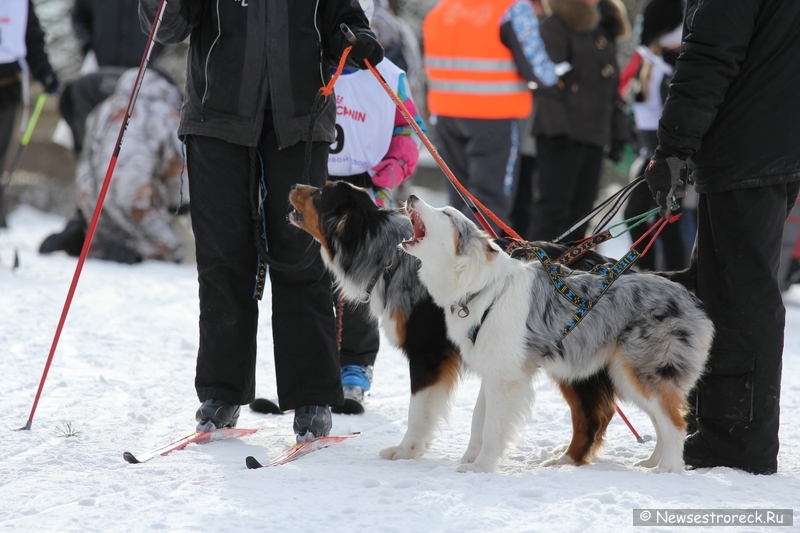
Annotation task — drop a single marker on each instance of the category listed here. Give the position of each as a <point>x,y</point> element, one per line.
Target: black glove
<point>50,81</point>
<point>366,47</point>
<point>666,177</point>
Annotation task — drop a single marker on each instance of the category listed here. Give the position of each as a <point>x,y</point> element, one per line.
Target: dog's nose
<point>411,199</point>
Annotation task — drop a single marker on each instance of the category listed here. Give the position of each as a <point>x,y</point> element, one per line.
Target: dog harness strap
<point>472,334</point>
<point>610,275</point>
<point>575,252</point>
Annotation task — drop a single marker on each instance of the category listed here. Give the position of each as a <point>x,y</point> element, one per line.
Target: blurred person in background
<point>660,40</point>
<point>479,58</point>
<point>22,51</point>
<point>580,120</point>
<point>137,221</point>
<point>110,30</point>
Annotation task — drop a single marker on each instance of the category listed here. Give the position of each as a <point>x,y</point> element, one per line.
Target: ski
<point>198,437</point>
<point>299,450</point>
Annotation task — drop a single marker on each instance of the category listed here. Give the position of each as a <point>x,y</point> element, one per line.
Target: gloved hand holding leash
<point>666,176</point>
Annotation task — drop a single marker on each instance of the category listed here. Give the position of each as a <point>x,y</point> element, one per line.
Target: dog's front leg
<point>476,433</point>
<point>507,404</point>
<point>427,407</point>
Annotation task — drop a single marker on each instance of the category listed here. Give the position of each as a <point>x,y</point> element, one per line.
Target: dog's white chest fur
<point>490,336</point>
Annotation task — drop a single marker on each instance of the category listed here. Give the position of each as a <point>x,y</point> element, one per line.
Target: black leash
<point>617,199</point>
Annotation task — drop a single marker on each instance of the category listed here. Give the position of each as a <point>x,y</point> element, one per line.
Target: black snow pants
<point>737,257</point>
<point>303,324</point>
<point>482,154</point>
<point>569,176</point>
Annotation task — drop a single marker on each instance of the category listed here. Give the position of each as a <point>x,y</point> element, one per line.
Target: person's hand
<point>398,164</point>
<point>49,81</point>
<point>366,47</point>
<point>665,175</point>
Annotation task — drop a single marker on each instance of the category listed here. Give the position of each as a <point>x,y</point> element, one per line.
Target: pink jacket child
<point>375,147</point>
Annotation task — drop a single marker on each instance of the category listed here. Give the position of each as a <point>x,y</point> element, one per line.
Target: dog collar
<point>388,272</point>
<point>463,310</point>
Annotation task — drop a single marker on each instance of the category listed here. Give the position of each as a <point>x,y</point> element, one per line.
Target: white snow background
<point>123,377</point>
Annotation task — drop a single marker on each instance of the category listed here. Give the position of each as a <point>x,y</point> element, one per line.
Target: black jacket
<point>110,28</point>
<point>584,105</point>
<point>244,56</point>
<point>734,102</point>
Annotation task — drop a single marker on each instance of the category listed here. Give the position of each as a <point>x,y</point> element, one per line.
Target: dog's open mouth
<point>419,228</point>
<point>296,216</point>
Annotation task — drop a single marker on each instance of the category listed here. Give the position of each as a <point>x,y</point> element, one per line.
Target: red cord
<point>401,106</point>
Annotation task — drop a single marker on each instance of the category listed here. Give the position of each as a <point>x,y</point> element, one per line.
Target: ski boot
<point>216,414</point>
<point>356,380</point>
<point>312,422</point>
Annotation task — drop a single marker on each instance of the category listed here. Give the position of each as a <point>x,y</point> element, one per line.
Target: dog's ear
<point>465,233</point>
<point>468,235</point>
<point>353,223</point>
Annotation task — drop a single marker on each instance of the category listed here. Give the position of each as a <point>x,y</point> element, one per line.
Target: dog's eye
<point>318,192</point>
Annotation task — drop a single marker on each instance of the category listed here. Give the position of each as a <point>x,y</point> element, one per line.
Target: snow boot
<point>312,422</point>
<point>356,380</point>
<point>216,414</point>
<point>70,240</point>
<point>264,406</point>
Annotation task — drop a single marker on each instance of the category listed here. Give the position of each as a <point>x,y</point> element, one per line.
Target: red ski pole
<point>98,207</point>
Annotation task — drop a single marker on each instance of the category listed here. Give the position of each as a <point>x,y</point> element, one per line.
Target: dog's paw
<point>560,449</point>
<point>394,453</point>
<point>647,463</point>
<point>557,461</point>
<point>677,468</point>
<point>469,456</point>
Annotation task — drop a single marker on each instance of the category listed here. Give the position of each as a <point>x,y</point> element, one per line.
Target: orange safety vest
<point>471,73</point>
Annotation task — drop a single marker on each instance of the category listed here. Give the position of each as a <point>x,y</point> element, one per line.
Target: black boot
<point>215,414</point>
<point>70,240</point>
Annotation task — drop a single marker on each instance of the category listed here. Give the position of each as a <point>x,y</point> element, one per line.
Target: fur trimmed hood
<point>581,17</point>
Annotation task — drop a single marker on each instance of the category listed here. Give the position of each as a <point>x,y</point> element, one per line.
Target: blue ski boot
<point>356,380</point>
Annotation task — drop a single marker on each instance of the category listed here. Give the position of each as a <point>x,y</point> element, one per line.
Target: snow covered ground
<point>123,378</point>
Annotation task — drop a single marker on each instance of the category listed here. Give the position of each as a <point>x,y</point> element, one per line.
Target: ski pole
<point>26,137</point>
<point>98,206</point>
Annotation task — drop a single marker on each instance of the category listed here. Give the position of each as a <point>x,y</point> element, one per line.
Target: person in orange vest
<point>482,58</point>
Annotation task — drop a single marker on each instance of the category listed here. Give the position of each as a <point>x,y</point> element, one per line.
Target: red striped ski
<point>198,437</point>
<point>299,450</point>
